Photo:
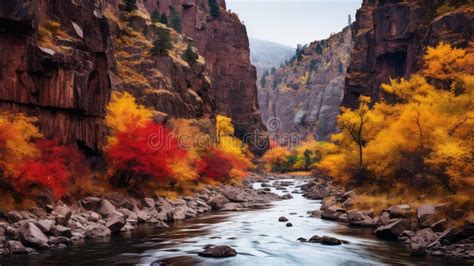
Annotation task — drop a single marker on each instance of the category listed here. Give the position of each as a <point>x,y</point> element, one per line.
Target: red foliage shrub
<point>215,165</point>
<point>141,152</point>
<point>52,169</point>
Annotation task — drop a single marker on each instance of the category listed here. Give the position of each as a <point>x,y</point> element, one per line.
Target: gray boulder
<point>32,236</point>
<point>63,214</point>
<point>218,252</point>
<point>393,230</point>
<point>16,247</point>
<point>426,214</point>
<point>115,224</point>
<point>45,225</point>
<point>217,202</point>
<point>91,203</point>
<point>106,208</point>
<point>95,231</point>
<point>60,230</point>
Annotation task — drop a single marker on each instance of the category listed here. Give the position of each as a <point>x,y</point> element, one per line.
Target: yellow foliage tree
<point>276,158</point>
<point>123,109</point>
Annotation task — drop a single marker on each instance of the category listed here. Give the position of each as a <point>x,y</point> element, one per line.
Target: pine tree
<point>162,43</point>
<point>263,81</point>
<point>164,19</point>
<point>319,49</point>
<point>176,22</point>
<point>189,55</point>
<point>215,9</point>
<point>274,70</point>
<point>155,16</point>
<point>131,5</point>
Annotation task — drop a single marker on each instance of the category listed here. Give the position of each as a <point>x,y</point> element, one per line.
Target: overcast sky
<point>292,22</point>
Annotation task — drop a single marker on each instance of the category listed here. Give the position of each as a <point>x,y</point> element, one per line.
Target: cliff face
<point>305,95</point>
<point>224,44</point>
<point>390,38</point>
<point>65,82</point>
<point>60,60</point>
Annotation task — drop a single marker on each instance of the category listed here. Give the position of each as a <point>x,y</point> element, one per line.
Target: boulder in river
<point>330,241</point>
<point>95,231</point>
<point>283,219</point>
<point>32,236</point>
<point>289,225</point>
<point>217,202</point>
<point>16,247</point>
<point>218,252</point>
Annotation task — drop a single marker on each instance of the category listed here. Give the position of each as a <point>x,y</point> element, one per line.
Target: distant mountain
<point>266,54</point>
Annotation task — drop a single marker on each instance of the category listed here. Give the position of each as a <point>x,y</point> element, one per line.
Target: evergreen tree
<point>162,43</point>
<point>319,49</point>
<point>164,19</point>
<point>189,55</point>
<point>131,5</point>
<point>215,9</point>
<point>263,81</point>
<point>341,68</point>
<point>176,22</point>
<point>155,16</point>
<point>274,70</point>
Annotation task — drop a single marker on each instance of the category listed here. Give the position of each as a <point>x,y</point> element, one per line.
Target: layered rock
<point>64,82</point>
<point>304,96</point>
<point>390,38</point>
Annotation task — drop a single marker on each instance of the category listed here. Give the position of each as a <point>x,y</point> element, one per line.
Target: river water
<point>257,236</point>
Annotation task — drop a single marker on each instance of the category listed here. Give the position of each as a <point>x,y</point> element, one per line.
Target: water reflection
<point>257,236</point>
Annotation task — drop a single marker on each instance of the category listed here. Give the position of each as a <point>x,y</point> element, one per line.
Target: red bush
<point>215,165</point>
<point>52,169</point>
<point>143,152</point>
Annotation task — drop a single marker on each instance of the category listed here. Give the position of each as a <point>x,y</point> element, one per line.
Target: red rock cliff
<point>390,38</point>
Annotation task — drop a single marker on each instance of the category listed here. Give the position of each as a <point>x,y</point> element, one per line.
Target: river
<point>257,236</point>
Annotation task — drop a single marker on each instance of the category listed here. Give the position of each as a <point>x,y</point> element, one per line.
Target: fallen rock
<point>149,203</point>
<point>106,208</point>
<point>90,203</point>
<point>16,247</point>
<point>393,230</point>
<point>15,216</point>
<point>283,219</point>
<point>289,225</point>
<point>315,239</point>
<point>60,230</point>
<point>217,202</point>
<point>426,214</point>
<point>32,236</point>
<point>45,225</point>
<point>93,217</point>
<point>218,252</point>
<point>302,239</point>
<point>63,213</point>
<point>115,224</point>
<point>95,231</point>
<point>59,240</point>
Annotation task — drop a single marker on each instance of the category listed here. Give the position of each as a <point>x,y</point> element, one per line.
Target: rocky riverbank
<point>24,232</point>
<point>423,229</point>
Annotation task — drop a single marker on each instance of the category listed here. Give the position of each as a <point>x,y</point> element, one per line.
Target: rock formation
<point>60,61</point>
<point>390,38</point>
<point>304,96</point>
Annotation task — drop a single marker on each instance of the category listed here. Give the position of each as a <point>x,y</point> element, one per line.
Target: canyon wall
<point>61,59</point>
<point>390,38</point>
<point>304,96</point>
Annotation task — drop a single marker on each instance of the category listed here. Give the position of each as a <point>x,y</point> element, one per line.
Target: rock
<point>149,202</point>
<point>95,231</point>
<point>60,230</point>
<point>13,233</point>
<point>161,224</point>
<point>283,219</point>
<point>393,230</point>
<point>301,239</point>
<point>233,206</point>
<point>439,226</point>
<point>93,217</point>
<point>16,247</point>
<point>417,249</point>
<point>63,214</point>
<point>426,214</point>
<point>115,223</point>
<point>15,216</point>
<point>33,237</point>
<point>217,202</point>
<point>45,225</point>
<point>397,212</point>
<point>218,252</point>
<point>328,202</point>
<point>59,240</point>
<point>315,239</point>
<point>330,241</point>
<point>360,218</point>
<point>289,224</point>
<point>348,203</point>
<point>286,197</point>
<point>127,228</point>
<point>106,208</point>
<point>90,203</point>
<point>334,213</point>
